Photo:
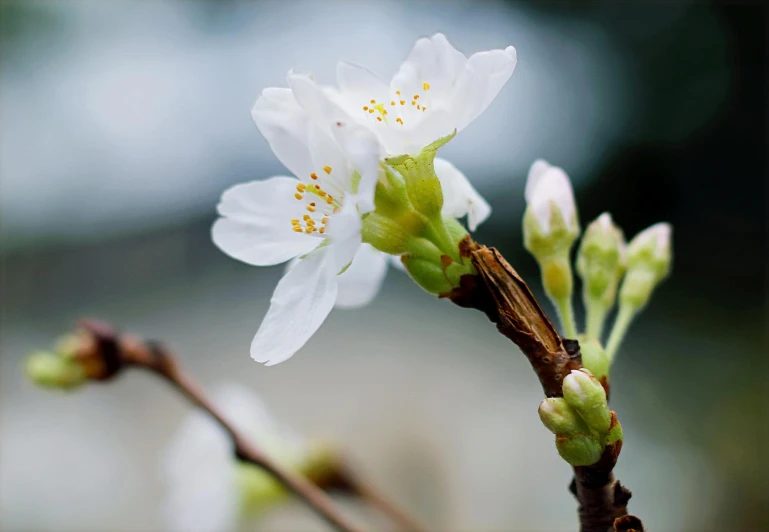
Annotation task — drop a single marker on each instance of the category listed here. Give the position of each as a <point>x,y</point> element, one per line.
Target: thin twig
<point>116,352</point>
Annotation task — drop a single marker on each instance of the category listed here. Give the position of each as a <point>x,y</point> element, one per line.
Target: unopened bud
<point>649,257</point>
<point>560,418</point>
<point>550,223</point>
<point>579,449</point>
<point>54,371</point>
<point>586,395</point>
<point>600,259</point>
<point>594,358</point>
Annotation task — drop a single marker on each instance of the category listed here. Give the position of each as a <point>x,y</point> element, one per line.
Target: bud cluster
<point>610,270</point>
<point>581,420</point>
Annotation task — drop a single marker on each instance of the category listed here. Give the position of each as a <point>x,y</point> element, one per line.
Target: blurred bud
<point>557,278</point>
<point>586,395</point>
<point>430,275</point>
<point>422,184</point>
<point>550,223</point>
<point>560,418</point>
<point>648,262</point>
<point>257,489</point>
<point>54,371</point>
<point>594,358</point>
<point>579,449</point>
<point>600,259</point>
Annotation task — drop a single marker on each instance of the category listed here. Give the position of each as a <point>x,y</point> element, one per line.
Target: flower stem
<point>621,324</point>
<point>595,316</point>
<point>566,313</point>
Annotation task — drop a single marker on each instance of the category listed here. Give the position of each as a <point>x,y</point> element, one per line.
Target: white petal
<point>434,61</point>
<point>361,82</point>
<point>483,77</point>
<point>313,100</point>
<point>256,222</point>
<point>547,184</point>
<point>361,282</point>
<point>658,235</point>
<point>285,126</point>
<point>300,304</point>
<point>459,196</point>
<point>364,152</point>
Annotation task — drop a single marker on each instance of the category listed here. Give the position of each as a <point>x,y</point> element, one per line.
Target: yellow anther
<point>310,223</point>
<point>399,120</point>
<point>398,93</point>
<point>306,217</point>
<point>329,200</point>
<point>403,102</point>
<point>418,106</point>
<point>311,208</point>
<point>308,230</point>
<point>370,110</point>
<point>321,193</point>
<point>365,107</point>
<point>297,229</point>
<point>314,175</point>
<point>327,169</point>
<point>384,112</point>
<point>379,119</point>
<point>324,220</point>
<point>295,221</point>
<point>301,187</point>
<point>413,102</point>
<point>322,230</point>
<point>373,101</point>
<point>416,96</point>
<point>424,108</point>
<point>298,196</point>
<point>392,102</point>
<point>312,204</point>
<point>425,86</point>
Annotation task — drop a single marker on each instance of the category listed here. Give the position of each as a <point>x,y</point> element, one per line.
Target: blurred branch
<point>499,292</point>
<point>106,353</point>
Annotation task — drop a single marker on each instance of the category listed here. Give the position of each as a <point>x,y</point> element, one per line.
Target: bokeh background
<point>121,122</point>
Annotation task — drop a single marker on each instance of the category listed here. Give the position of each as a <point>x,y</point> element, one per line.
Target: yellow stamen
<point>392,102</point>
<point>365,107</point>
<point>306,217</point>
<point>295,221</point>
<point>403,102</point>
<point>327,169</point>
<point>324,220</point>
<point>329,200</point>
<point>314,175</point>
<point>379,119</point>
<point>322,230</point>
<point>298,196</point>
<point>370,110</point>
<point>311,208</point>
<point>373,101</point>
<point>398,93</point>
<point>301,187</point>
<point>399,120</point>
<point>309,230</point>
<point>416,96</point>
<point>425,86</point>
<point>297,229</point>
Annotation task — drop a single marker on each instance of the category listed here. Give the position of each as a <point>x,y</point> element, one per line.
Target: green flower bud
<point>594,358</point>
<point>560,418</point>
<point>586,395</point>
<point>557,278</point>
<point>615,433</point>
<point>422,184</point>
<point>53,371</point>
<point>430,275</point>
<point>579,449</point>
<point>600,259</point>
<point>386,234</point>
<point>649,256</point>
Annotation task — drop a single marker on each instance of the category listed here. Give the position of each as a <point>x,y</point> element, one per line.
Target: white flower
<point>315,215</point>
<point>547,187</point>
<point>201,472</point>
<point>436,90</point>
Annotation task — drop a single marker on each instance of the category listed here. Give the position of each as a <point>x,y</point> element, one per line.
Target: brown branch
<point>109,353</point>
<point>499,292</point>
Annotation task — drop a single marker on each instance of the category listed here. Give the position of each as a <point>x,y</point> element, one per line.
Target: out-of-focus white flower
<point>548,192</point>
<point>652,244</point>
<point>459,196</point>
<point>315,216</point>
<point>208,489</point>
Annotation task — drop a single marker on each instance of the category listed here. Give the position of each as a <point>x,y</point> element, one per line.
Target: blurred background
<point>121,122</point>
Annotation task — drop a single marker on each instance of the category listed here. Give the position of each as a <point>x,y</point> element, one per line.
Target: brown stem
<point>110,353</point>
<point>378,500</point>
<point>499,292</point>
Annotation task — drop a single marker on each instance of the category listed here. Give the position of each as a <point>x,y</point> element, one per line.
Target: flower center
<point>319,205</point>
<point>405,108</point>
